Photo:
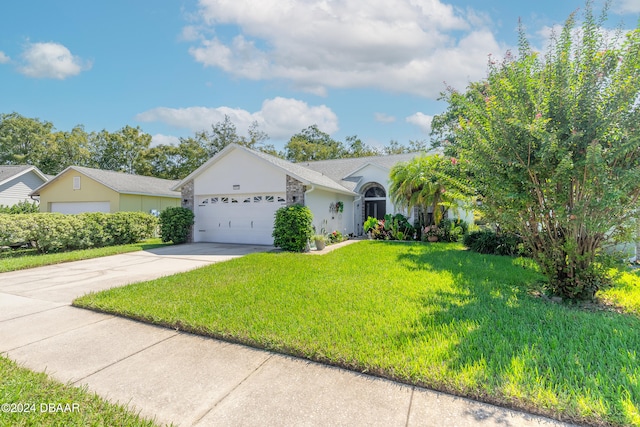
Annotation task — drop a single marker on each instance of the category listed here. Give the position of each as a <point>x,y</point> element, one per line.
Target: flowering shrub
<point>336,237</point>
<point>392,227</point>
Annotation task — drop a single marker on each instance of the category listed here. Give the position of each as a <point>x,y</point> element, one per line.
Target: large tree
<point>312,144</point>
<point>23,140</point>
<point>121,151</point>
<point>225,132</point>
<point>553,144</point>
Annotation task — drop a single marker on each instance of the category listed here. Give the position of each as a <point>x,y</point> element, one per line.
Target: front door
<point>375,208</point>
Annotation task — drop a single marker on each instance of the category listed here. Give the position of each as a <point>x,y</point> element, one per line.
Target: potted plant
<point>432,233</point>
<point>320,241</point>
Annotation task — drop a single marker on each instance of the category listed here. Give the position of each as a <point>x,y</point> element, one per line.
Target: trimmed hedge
<point>54,232</point>
<point>292,228</point>
<point>175,223</point>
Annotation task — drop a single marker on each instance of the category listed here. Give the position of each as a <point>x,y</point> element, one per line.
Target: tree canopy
<point>553,145</point>
<point>32,141</point>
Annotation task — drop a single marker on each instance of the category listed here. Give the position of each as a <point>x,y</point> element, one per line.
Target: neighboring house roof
<point>297,171</point>
<point>9,172</point>
<point>123,183</point>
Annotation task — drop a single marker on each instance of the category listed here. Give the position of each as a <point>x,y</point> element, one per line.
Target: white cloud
<point>627,6</point>
<point>4,58</point>
<point>51,60</point>
<point>160,139</point>
<point>278,117</point>
<point>408,46</point>
<point>384,118</point>
<point>421,120</point>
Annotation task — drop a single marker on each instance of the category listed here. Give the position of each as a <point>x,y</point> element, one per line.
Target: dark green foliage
<point>453,229</point>
<point>392,227</point>
<point>292,228</point>
<point>22,207</point>
<point>175,223</point>
<point>490,242</point>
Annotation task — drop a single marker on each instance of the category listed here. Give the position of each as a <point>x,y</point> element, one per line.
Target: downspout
<point>313,187</point>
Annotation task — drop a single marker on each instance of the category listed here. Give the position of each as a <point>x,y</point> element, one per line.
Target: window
<point>375,192</point>
<point>224,199</point>
<point>76,182</point>
<point>282,200</point>
<point>257,199</point>
<point>205,201</point>
<point>247,200</point>
<point>234,200</point>
<point>268,199</point>
<point>214,200</point>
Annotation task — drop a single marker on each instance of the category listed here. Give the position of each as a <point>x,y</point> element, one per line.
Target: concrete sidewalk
<point>189,380</point>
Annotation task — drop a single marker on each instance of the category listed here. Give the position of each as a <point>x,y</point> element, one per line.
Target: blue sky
<point>372,68</point>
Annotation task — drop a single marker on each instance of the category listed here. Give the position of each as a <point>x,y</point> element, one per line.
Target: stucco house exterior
<point>79,189</point>
<point>18,181</point>
<point>235,194</point>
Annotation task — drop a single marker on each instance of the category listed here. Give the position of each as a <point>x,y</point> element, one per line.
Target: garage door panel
<point>242,218</point>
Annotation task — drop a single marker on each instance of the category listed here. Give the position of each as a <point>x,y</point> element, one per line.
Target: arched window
<point>375,192</point>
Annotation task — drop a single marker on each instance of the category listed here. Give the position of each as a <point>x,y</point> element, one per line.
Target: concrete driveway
<point>189,380</point>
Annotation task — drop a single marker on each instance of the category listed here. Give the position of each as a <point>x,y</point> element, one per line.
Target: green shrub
<point>490,242</point>
<point>292,228</point>
<point>20,208</point>
<point>392,227</point>
<point>54,232</point>
<point>123,228</point>
<point>453,229</point>
<point>93,233</point>
<point>175,224</point>
<point>13,229</point>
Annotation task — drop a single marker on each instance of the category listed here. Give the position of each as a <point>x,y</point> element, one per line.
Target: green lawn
<point>433,315</point>
<point>27,398</point>
<point>21,259</point>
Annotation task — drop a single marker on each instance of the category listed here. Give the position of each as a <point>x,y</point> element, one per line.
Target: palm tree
<point>427,182</point>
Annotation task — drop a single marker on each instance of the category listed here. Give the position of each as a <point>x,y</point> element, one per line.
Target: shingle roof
<point>9,171</point>
<point>126,183</point>
<point>298,170</point>
<point>329,174</point>
<point>339,169</point>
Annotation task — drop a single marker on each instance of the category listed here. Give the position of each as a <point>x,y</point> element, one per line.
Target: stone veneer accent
<point>187,201</point>
<point>295,191</point>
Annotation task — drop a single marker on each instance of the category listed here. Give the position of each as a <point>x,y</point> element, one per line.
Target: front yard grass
<point>11,260</point>
<point>34,399</point>
<point>434,315</point>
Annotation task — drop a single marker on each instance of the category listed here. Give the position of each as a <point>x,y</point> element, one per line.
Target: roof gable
<point>301,173</point>
<point>122,183</point>
<point>10,172</point>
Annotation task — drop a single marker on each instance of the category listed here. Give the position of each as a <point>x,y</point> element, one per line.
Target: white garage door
<point>238,218</point>
<point>79,207</point>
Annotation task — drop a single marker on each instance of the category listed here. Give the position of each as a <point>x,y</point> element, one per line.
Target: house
<point>235,194</point>
<point>78,189</point>
<point>18,181</point>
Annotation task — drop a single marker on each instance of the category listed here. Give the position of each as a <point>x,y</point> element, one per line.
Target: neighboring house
<point>17,182</point>
<point>79,189</point>
<point>235,194</point>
